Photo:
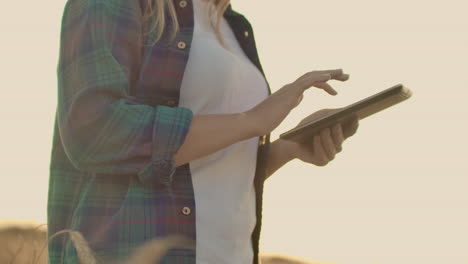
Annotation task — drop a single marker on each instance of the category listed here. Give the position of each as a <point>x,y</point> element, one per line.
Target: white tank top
<point>220,81</point>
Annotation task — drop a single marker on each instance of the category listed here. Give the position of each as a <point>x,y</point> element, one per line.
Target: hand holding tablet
<point>324,118</point>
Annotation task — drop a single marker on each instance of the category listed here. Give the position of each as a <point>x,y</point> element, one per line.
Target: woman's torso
<point>220,81</point>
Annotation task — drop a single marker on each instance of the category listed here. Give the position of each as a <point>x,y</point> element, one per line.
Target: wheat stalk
<point>148,253</point>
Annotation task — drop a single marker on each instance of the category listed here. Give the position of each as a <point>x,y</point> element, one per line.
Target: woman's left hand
<point>324,145</point>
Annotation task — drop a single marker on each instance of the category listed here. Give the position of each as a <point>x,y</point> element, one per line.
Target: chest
<point>219,78</point>
<point>163,64</point>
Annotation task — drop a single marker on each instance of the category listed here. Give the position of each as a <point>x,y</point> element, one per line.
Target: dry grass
<point>277,258</point>
<point>22,242</point>
<point>148,253</point>
<point>25,242</point>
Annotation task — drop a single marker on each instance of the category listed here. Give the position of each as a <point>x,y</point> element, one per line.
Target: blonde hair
<point>157,8</point>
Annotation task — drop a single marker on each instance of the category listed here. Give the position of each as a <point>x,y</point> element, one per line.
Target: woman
<point>150,142</point>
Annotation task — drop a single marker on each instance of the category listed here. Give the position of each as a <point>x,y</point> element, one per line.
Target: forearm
<point>281,152</point>
<point>210,133</point>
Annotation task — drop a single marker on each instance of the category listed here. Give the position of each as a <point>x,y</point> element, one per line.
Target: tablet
<point>361,109</point>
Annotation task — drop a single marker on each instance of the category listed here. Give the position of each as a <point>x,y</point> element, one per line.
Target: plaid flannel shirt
<point>117,127</point>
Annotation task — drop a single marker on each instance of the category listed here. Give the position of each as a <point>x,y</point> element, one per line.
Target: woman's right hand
<point>268,114</point>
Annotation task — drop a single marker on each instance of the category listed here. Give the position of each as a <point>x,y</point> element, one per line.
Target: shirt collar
<point>230,12</point>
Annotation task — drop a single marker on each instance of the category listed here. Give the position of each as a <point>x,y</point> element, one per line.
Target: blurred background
<point>397,193</point>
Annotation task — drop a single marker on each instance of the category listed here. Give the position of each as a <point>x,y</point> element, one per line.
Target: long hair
<point>157,8</point>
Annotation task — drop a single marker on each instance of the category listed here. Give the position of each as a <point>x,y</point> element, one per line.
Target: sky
<point>397,191</point>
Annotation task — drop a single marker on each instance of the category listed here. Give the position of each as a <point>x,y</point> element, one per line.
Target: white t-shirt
<point>220,81</point>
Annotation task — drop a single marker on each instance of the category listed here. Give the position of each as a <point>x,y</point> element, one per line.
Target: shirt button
<point>181,45</point>
<point>186,210</point>
<point>171,102</point>
<point>246,33</point>
<point>183,3</point>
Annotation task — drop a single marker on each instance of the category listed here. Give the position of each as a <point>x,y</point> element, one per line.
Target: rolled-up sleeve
<point>103,129</point>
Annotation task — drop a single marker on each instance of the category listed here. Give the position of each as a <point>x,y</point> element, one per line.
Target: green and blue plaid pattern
<point>117,127</point>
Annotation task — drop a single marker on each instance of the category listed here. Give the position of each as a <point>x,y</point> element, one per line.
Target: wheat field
<point>25,242</point>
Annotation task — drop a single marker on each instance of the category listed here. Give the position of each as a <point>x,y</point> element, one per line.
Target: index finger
<point>336,74</point>
<point>333,73</point>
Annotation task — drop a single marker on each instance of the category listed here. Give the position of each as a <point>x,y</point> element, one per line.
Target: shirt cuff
<point>169,131</point>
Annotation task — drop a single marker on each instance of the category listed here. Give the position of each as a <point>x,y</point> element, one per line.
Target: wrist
<point>281,152</point>
<point>287,148</point>
<point>248,125</point>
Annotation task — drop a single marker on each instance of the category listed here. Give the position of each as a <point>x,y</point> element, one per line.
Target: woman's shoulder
<point>102,12</point>
<point>109,5</point>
